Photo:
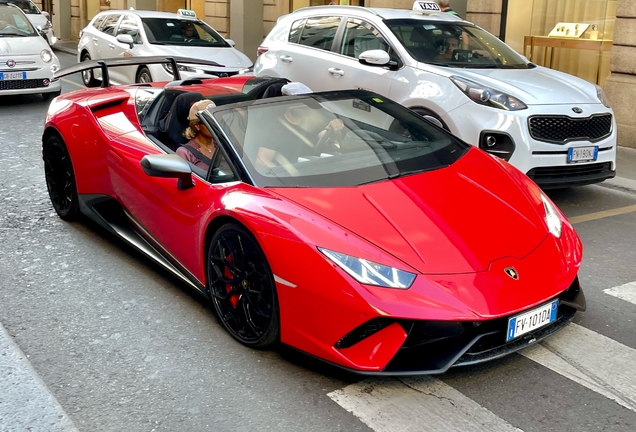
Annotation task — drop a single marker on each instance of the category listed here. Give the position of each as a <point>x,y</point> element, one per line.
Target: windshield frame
<point>477,48</point>
<point>452,149</point>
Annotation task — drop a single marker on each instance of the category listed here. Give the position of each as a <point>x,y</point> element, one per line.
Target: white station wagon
<point>138,33</point>
<point>556,128</point>
<point>27,63</point>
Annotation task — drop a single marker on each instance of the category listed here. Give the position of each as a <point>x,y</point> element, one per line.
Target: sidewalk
<point>66,46</point>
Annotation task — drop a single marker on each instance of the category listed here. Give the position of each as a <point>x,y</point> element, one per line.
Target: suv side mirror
<point>126,39</point>
<point>374,58</point>
<point>231,42</point>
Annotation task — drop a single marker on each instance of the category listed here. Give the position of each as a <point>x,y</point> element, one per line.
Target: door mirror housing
<point>433,120</point>
<point>231,42</point>
<point>374,58</point>
<point>170,166</point>
<point>46,14</point>
<point>126,39</point>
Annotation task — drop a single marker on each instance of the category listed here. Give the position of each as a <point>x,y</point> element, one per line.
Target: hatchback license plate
<point>582,154</point>
<point>6,76</point>
<point>532,320</point>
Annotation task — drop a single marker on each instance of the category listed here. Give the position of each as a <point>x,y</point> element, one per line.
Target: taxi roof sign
<point>426,6</point>
<point>187,13</point>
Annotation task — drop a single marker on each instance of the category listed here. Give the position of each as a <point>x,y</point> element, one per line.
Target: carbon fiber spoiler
<point>104,64</point>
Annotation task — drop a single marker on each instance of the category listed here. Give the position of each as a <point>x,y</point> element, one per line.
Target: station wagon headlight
<point>601,96</point>
<point>484,95</point>
<point>46,56</point>
<point>552,219</point>
<point>370,273</point>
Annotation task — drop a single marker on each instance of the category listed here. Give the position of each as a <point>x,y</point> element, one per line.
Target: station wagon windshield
<point>173,31</point>
<point>331,139</point>
<point>454,45</point>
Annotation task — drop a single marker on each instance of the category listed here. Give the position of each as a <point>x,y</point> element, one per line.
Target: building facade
<point>592,39</point>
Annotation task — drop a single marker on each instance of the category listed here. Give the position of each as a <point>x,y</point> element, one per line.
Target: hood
<point>231,58</point>
<point>19,46</point>
<point>536,86</point>
<point>37,19</point>
<point>457,219</point>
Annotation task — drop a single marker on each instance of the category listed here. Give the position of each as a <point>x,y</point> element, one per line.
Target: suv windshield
<point>26,5</point>
<point>345,138</point>
<point>14,23</point>
<point>174,31</point>
<point>454,45</point>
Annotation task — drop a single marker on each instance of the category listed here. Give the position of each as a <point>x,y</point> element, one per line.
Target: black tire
<point>397,128</point>
<point>87,76</point>
<point>242,287</point>
<point>60,178</point>
<point>49,96</point>
<point>143,76</point>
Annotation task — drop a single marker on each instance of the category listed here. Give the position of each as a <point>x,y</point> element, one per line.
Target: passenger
<point>200,149</point>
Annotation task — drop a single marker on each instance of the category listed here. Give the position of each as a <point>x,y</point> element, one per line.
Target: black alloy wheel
<point>60,178</point>
<point>87,76</point>
<point>242,287</point>
<point>143,76</point>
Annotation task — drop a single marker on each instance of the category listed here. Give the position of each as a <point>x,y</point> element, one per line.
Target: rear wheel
<point>242,287</point>
<point>87,76</point>
<point>60,178</point>
<point>143,76</point>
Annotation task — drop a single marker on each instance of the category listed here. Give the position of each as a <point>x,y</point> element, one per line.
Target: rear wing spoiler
<point>104,64</point>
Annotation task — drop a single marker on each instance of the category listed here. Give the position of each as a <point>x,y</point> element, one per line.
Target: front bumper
<point>32,85</point>
<point>433,347</point>
<point>545,162</point>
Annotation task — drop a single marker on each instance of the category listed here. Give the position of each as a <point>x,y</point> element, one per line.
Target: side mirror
<point>170,166</point>
<point>433,120</point>
<point>41,32</point>
<point>231,42</point>
<point>126,39</point>
<point>46,14</point>
<point>374,58</point>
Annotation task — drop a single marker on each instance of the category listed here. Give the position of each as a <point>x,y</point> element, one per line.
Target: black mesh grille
<point>21,84</point>
<point>221,74</point>
<point>561,129</point>
<point>568,171</point>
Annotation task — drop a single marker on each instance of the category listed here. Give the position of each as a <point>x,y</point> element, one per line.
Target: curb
<point>26,403</point>
<point>620,183</point>
<point>64,49</point>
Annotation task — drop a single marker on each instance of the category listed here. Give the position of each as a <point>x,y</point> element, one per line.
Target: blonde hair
<point>190,131</point>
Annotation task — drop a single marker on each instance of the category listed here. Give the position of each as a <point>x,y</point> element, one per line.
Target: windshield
<point>454,44</point>
<point>345,138</point>
<point>26,5</point>
<point>14,23</point>
<point>181,32</point>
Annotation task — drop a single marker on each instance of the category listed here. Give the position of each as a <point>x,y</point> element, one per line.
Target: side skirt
<point>109,214</point>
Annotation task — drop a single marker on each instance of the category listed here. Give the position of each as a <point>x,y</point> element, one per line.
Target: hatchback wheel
<point>143,76</point>
<point>87,76</point>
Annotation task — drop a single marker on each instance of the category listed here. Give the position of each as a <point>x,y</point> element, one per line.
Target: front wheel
<point>60,178</point>
<point>143,76</point>
<point>242,287</point>
<point>87,76</point>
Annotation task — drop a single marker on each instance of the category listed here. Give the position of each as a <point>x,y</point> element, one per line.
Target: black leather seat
<point>176,121</point>
<point>274,90</point>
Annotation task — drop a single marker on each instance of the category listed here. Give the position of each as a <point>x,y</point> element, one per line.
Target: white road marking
<point>416,404</point>
<point>592,360</point>
<point>625,292</point>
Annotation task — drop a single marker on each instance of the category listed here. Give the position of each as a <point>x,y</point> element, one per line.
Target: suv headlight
<point>46,55</point>
<point>552,219</point>
<point>370,273</point>
<point>488,96</point>
<point>601,96</point>
<point>168,68</point>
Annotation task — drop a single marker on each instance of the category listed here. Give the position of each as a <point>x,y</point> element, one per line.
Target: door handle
<point>336,72</point>
<point>111,46</point>
<point>94,39</point>
<point>286,59</point>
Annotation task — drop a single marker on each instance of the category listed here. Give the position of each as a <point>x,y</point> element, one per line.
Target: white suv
<point>556,128</point>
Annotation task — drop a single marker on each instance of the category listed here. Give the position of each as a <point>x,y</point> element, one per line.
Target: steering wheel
<point>326,141</point>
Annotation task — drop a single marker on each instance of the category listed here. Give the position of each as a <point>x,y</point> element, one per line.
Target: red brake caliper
<point>228,274</point>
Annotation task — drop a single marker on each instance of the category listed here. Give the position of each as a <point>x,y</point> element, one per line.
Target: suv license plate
<point>5,76</point>
<point>582,154</point>
<point>532,320</point>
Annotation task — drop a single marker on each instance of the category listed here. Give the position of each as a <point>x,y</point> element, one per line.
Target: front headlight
<point>370,273</point>
<point>168,68</point>
<point>488,96</point>
<point>46,56</point>
<point>601,96</point>
<point>47,26</point>
<point>552,219</point>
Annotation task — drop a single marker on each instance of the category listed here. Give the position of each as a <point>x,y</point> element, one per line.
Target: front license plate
<point>582,154</point>
<point>531,320</point>
<point>5,76</point>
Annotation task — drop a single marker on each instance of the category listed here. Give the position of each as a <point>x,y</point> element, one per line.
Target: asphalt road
<point>123,346</point>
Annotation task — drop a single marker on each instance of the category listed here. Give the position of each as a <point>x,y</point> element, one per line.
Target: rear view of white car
<point>27,63</point>
<point>132,33</point>
<point>556,128</point>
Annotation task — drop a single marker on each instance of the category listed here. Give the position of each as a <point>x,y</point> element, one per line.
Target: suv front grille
<point>561,129</point>
<point>21,84</point>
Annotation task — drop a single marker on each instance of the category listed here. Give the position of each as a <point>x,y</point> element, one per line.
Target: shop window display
<point>572,36</point>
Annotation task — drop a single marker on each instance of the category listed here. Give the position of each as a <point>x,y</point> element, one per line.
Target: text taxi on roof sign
<point>187,13</point>
<point>426,6</point>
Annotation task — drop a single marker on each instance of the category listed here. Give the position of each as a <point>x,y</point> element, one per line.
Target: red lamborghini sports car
<point>338,223</point>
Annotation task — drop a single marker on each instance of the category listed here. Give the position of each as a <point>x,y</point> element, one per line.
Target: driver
<point>451,43</point>
<point>187,31</point>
